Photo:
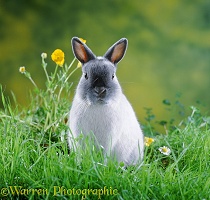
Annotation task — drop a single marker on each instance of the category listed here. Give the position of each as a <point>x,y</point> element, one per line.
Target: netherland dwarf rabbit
<point>100,107</point>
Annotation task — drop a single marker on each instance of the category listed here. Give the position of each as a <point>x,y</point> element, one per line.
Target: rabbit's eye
<point>113,76</point>
<point>86,76</point>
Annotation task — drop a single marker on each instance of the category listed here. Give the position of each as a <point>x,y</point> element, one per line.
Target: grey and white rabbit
<point>101,108</point>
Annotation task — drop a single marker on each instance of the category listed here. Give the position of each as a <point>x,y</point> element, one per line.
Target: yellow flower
<point>165,150</point>
<point>84,41</point>
<point>79,63</point>
<point>58,57</point>
<point>22,69</point>
<point>148,141</point>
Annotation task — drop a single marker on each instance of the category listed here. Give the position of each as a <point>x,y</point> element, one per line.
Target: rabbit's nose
<point>100,91</point>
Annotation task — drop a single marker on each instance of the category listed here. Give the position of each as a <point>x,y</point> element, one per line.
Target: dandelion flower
<point>58,57</point>
<point>165,150</point>
<point>22,69</point>
<point>44,55</point>
<point>148,141</point>
<point>79,63</point>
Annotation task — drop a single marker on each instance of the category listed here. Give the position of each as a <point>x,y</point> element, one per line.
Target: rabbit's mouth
<point>101,101</point>
<point>98,101</point>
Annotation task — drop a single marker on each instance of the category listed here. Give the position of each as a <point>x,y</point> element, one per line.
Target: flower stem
<point>32,81</point>
<point>56,69</point>
<point>59,94</point>
<point>28,75</point>
<point>72,63</point>
<point>61,89</point>
<point>45,70</point>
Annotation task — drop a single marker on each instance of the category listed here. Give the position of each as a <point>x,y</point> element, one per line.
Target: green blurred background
<point>168,53</point>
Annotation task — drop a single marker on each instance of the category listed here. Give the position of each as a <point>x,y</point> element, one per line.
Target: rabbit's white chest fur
<point>114,125</point>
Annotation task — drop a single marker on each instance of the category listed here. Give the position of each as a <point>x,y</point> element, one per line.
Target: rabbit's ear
<point>116,52</point>
<point>81,50</point>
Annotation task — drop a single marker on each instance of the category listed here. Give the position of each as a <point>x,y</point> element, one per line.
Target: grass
<point>35,162</point>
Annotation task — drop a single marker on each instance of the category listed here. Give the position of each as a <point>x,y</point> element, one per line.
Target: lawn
<point>35,161</point>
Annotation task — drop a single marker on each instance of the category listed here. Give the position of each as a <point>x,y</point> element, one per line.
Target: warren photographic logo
<point>58,191</point>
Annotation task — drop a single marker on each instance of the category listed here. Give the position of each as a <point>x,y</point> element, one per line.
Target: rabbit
<point>99,105</point>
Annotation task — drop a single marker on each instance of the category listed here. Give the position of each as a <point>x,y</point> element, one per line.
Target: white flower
<point>44,55</point>
<point>165,150</point>
<point>22,69</point>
